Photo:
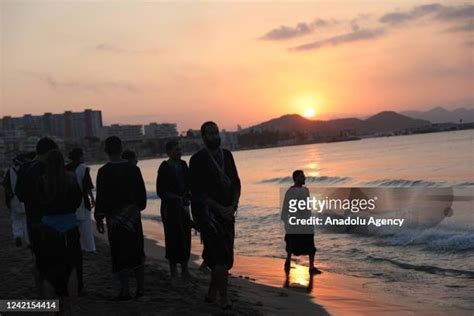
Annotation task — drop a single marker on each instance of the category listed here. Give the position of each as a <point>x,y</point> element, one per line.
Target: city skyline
<point>191,62</point>
<point>26,116</point>
<point>79,125</point>
<point>444,117</point>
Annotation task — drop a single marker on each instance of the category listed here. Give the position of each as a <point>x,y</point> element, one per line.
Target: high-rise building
<point>69,125</point>
<point>93,123</point>
<point>163,130</point>
<point>124,132</point>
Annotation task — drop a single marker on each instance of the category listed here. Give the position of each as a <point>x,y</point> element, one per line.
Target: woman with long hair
<point>59,249</point>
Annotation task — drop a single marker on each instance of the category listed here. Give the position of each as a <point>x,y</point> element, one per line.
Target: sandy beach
<point>101,287</point>
<point>257,285</point>
<point>261,281</point>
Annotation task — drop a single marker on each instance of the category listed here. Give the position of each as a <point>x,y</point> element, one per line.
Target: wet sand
<point>327,293</point>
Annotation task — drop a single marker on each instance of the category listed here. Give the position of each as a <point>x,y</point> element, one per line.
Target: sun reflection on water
<point>299,275</point>
<point>299,279</point>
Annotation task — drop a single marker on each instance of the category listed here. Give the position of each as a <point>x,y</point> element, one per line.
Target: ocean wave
<point>310,179</point>
<point>418,183</point>
<point>151,196</point>
<point>424,268</point>
<point>151,217</point>
<point>432,239</point>
<point>464,184</point>
<point>403,183</point>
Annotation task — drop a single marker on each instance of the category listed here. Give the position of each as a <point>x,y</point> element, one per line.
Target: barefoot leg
<point>288,263</point>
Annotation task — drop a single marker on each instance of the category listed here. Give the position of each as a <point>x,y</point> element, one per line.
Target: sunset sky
<point>235,63</point>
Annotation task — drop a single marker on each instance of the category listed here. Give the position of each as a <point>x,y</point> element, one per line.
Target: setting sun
<point>309,112</point>
<point>308,104</point>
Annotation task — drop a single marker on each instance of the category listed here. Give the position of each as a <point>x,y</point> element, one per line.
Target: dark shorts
<point>300,244</point>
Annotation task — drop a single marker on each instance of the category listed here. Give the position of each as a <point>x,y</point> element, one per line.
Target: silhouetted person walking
<point>172,186</point>
<point>215,188</point>
<point>120,197</point>
<point>300,239</point>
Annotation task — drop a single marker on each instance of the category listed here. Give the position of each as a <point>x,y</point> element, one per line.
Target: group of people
<point>51,207</point>
<point>50,204</point>
<point>210,186</point>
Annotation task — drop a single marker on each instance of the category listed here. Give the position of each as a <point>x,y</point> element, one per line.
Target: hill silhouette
<point>386,121</point>
<point>442,115</point>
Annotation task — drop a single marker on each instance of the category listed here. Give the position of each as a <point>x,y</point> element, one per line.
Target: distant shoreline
<point>103,160</point>
<point>352,139</point>
<point>291,145</point>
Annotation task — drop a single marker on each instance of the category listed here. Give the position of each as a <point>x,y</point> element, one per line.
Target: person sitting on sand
<point>60,249</point>
<point>83,213</point>
<point>120,197</point>
<point>130,155</point>
<point>172,186</point>
<point>215,188</point>
<point>299,240</point>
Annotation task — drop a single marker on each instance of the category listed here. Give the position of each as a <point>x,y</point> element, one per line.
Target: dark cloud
<point>92,86</point>
<point>413,14</point>
<point>461,28</point>
<point>286,32</point>
<point>354,36</point>
<point>355,23</point>
<point>434,10</point>
<point>456,13</point>
<point>324,23</point>
<point>460,18</point>
<point>355,26</point>
<point>113,49</point>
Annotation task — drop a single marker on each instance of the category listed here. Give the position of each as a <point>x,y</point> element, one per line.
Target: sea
<point>427,265</point>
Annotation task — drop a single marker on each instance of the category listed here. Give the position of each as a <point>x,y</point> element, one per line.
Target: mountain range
<point>382,122</point>
<point>442,115</point>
